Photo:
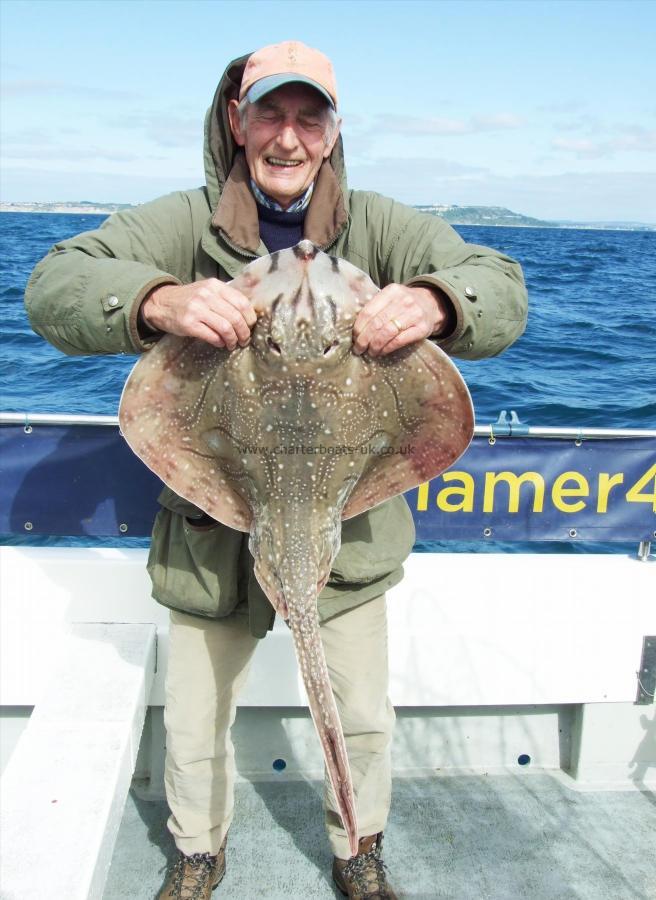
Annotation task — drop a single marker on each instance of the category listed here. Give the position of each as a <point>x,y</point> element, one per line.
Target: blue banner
<point>543,489</point>
<point>73,480</point>
<point>84,480</point>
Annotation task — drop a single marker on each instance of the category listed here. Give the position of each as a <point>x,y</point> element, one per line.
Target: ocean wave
<point>588,354</point>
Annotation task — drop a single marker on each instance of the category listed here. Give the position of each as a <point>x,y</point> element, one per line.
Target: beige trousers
<point>208,664</point>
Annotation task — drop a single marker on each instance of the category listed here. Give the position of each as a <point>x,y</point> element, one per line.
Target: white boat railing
<point>498,429</point>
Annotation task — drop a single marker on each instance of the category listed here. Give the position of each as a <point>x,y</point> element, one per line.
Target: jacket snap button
<point>112,301</point>
<point>470,293</point>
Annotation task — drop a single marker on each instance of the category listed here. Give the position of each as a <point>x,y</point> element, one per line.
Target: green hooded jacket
<point>85,295</point>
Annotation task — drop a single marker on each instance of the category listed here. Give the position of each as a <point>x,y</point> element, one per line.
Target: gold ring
<point>396,322</point>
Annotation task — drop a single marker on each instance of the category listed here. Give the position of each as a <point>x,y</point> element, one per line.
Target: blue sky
<point>547,108</point>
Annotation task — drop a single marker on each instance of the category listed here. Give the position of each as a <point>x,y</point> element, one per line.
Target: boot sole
<point>341,889</point>
<point>219,880</point>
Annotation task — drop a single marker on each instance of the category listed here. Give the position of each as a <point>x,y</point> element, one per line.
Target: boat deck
<point>462,837</point>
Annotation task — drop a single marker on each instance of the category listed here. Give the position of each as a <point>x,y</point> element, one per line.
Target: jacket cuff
<point>139,343</point>
<point>454,297</point>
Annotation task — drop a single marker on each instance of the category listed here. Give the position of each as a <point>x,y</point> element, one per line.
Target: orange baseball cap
<point>290,61</point>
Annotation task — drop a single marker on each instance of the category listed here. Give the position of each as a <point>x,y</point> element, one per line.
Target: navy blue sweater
<point>279,229</point>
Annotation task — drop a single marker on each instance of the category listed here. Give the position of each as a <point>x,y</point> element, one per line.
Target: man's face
<point>284,138</point>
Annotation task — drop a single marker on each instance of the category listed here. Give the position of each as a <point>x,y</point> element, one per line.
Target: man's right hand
<point>210,310</point>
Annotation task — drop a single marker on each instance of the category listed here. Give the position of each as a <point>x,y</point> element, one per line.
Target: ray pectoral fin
<point>424,413</point>
<point>160,420</point>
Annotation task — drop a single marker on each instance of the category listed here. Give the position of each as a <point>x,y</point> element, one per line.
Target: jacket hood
<point>227,178</point>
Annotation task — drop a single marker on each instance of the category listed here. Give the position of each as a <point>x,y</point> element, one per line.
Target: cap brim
<point>271,82</point>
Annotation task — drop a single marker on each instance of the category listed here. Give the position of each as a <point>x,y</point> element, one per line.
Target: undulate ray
<point>288,436</point>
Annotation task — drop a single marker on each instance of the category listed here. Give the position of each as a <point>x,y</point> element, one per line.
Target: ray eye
<point>272,344</point>
<point>330,347</point>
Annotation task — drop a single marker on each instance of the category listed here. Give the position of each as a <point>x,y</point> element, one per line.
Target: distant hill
<point>499,215</point>
<point>484,215</point>
<point>79,207</point>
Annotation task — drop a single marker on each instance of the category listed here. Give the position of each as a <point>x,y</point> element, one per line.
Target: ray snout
<point>305,250</point>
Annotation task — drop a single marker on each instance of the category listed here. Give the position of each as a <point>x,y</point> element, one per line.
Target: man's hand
<point>397,316</point>
<point>210,310</point>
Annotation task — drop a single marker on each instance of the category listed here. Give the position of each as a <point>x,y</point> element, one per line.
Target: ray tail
<point>304,624</point>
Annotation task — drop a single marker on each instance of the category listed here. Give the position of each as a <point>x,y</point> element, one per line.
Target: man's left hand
<point>399,315</point>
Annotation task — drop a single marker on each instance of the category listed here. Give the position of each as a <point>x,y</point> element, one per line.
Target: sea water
<point>586,359</point>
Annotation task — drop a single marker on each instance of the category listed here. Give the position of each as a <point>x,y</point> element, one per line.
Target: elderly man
<point>274,175</point>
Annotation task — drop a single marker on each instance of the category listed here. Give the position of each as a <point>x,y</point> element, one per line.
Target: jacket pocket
<point>374,544</point>
<point>194,569</point>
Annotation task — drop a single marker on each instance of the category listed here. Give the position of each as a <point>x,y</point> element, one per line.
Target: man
<point>275,174</point>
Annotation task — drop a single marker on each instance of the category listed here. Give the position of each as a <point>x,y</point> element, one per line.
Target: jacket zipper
<point>240,250</point>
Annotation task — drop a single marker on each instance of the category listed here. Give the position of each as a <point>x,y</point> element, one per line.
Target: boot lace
<point>191,875</point>
<point>366,872</point>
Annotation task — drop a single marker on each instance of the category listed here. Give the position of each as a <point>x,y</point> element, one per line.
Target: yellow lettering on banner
<point>635,495</point>
<point>514,483</point>
<point>422,497</point>
<point>606,483</point>
<point>465,491</point>
<point>559,492</point>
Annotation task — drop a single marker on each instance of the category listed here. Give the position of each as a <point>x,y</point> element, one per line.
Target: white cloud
<point>36,143</point>
<point>586,123</point>
<point>30,87</point>
<point>164,129</point>
<point>628,138</point>
<point>398,174</point>
<point>48,185</point>
<point>562,106</point>
<point>65,154</point>
<point>498,122</point>
<point>581,196</point>
<point>417,125</point>
<point>583,148</point>
<point>25,137</point>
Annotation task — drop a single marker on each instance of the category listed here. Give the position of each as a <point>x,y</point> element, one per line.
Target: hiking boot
<point>194,877</point>
<point>363,876</point>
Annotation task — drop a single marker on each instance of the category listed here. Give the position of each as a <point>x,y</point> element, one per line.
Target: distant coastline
<point>71,208</point>
<point>485,216</point>
<point>499,216</point>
